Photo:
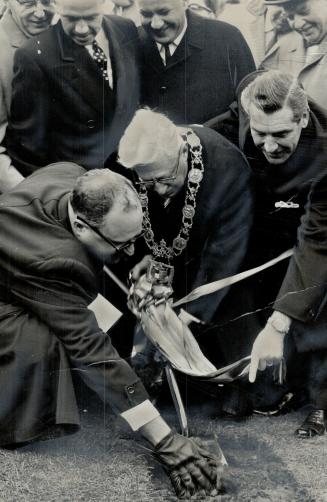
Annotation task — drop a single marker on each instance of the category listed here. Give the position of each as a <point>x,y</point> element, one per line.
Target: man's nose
<point>81,27</point>
<point>156,22</point>
<point>270,146</point>
<point>130,250</point>
<point>297,23</point>
<point>160,188</point>
<point>39,11</point>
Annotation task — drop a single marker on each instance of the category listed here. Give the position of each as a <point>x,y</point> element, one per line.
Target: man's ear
<point>305,119</point>
<point>79,228</point>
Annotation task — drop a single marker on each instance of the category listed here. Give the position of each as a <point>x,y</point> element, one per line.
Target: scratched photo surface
<point>163,250</point>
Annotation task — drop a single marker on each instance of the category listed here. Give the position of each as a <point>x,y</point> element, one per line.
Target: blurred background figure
<point>124,8</point>
<point>22,20</point>
<point>2,8</point>
<point>263,24</point>
<point>207,8</point>
<point>307,59</point>
<point>266,31</point>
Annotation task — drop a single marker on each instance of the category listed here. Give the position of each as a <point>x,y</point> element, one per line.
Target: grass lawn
<point>101,463</point>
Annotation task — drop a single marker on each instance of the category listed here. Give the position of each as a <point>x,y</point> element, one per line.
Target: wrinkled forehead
<point>281,120</point>
<point>75,7</point>
<point>157,5</point>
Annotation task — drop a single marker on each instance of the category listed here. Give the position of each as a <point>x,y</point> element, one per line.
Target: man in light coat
<point>307,59</point>
<point>21,21</point>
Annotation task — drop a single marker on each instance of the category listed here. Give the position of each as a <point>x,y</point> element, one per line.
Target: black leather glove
<point>193,470</point>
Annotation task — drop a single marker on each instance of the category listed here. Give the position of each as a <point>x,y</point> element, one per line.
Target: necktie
<point>101,60</point>
<point>167,54</point>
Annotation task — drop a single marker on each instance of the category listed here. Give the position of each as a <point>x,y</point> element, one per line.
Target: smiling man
<point>307,60</point>
<point>190,65</point>
<point>82,85</point>
<point>22,20</point>
<point>284,141</point>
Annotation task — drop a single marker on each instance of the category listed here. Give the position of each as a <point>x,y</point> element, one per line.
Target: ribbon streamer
<point>212,287</point>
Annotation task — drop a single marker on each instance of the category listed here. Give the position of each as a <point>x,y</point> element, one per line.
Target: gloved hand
<point>191,468</point>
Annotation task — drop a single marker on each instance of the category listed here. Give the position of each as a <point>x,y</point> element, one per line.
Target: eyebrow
<point>276,133</point>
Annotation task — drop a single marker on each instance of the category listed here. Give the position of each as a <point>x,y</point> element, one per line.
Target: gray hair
<point>272,91</point>
<point>149,138</point>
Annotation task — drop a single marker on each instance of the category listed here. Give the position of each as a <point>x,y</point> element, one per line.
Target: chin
<point>277,160</point>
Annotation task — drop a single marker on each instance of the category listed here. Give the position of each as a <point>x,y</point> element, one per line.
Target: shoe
<point>313,425</point>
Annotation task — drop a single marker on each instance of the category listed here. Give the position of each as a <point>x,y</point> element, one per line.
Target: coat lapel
<point>150,53</point>
<point>15,36</point>
<point>257,33</point>
<point>317,55</point>
<point>81,71</point>
<point>121,69</point>
<point>193,40</point>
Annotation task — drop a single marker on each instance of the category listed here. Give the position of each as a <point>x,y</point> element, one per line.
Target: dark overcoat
<point>278,228</point>
<point>47,281</point>
<point>221,225</point>
<point>201,78</point>
<point>62,109</point>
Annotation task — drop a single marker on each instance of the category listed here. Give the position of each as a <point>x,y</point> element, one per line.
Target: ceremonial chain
<point>194,177</point>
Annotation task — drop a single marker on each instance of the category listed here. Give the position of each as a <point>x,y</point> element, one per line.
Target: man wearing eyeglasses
<point>58,228</point>
<point>22,20</point>
<point>195,192</point>
<point>75,89</point>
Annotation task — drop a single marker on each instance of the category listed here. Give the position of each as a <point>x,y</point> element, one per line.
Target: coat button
<point>130,389</point>
<point>91,124</point>
<point>163,89</point>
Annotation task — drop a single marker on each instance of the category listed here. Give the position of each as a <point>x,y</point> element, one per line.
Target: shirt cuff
<point>140,415</point>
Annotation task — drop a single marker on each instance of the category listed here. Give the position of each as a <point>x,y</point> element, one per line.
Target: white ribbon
<point>212,287</point>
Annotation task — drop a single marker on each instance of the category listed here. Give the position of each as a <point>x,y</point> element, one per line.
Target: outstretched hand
<point>267,350</point>
<point>191,468</point>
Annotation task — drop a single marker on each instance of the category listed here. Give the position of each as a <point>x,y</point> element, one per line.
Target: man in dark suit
<point>195,190</point>
<point>190,65</point>
<point>75,89</point>
<point>58,228</point>
<point>285,143</point>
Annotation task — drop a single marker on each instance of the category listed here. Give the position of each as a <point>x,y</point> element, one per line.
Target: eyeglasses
<point>117,247</point>
<point>153,181</point>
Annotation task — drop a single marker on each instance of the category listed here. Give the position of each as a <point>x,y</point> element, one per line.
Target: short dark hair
<point>273,90</point>
<point>97,191</point>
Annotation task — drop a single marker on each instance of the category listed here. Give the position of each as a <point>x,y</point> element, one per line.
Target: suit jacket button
<point>130,389</point>
<point>163,89</point>
<point>90,124</point>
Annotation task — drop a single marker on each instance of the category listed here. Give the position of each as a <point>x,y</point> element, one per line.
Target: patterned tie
<point>101,60</point>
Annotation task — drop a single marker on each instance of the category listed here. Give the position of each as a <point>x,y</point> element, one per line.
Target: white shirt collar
<point>175,43</point>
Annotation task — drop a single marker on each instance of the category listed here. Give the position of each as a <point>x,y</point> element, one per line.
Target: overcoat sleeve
<point>61,302</point>
<point>303,292</point>
<point>28,128</point>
